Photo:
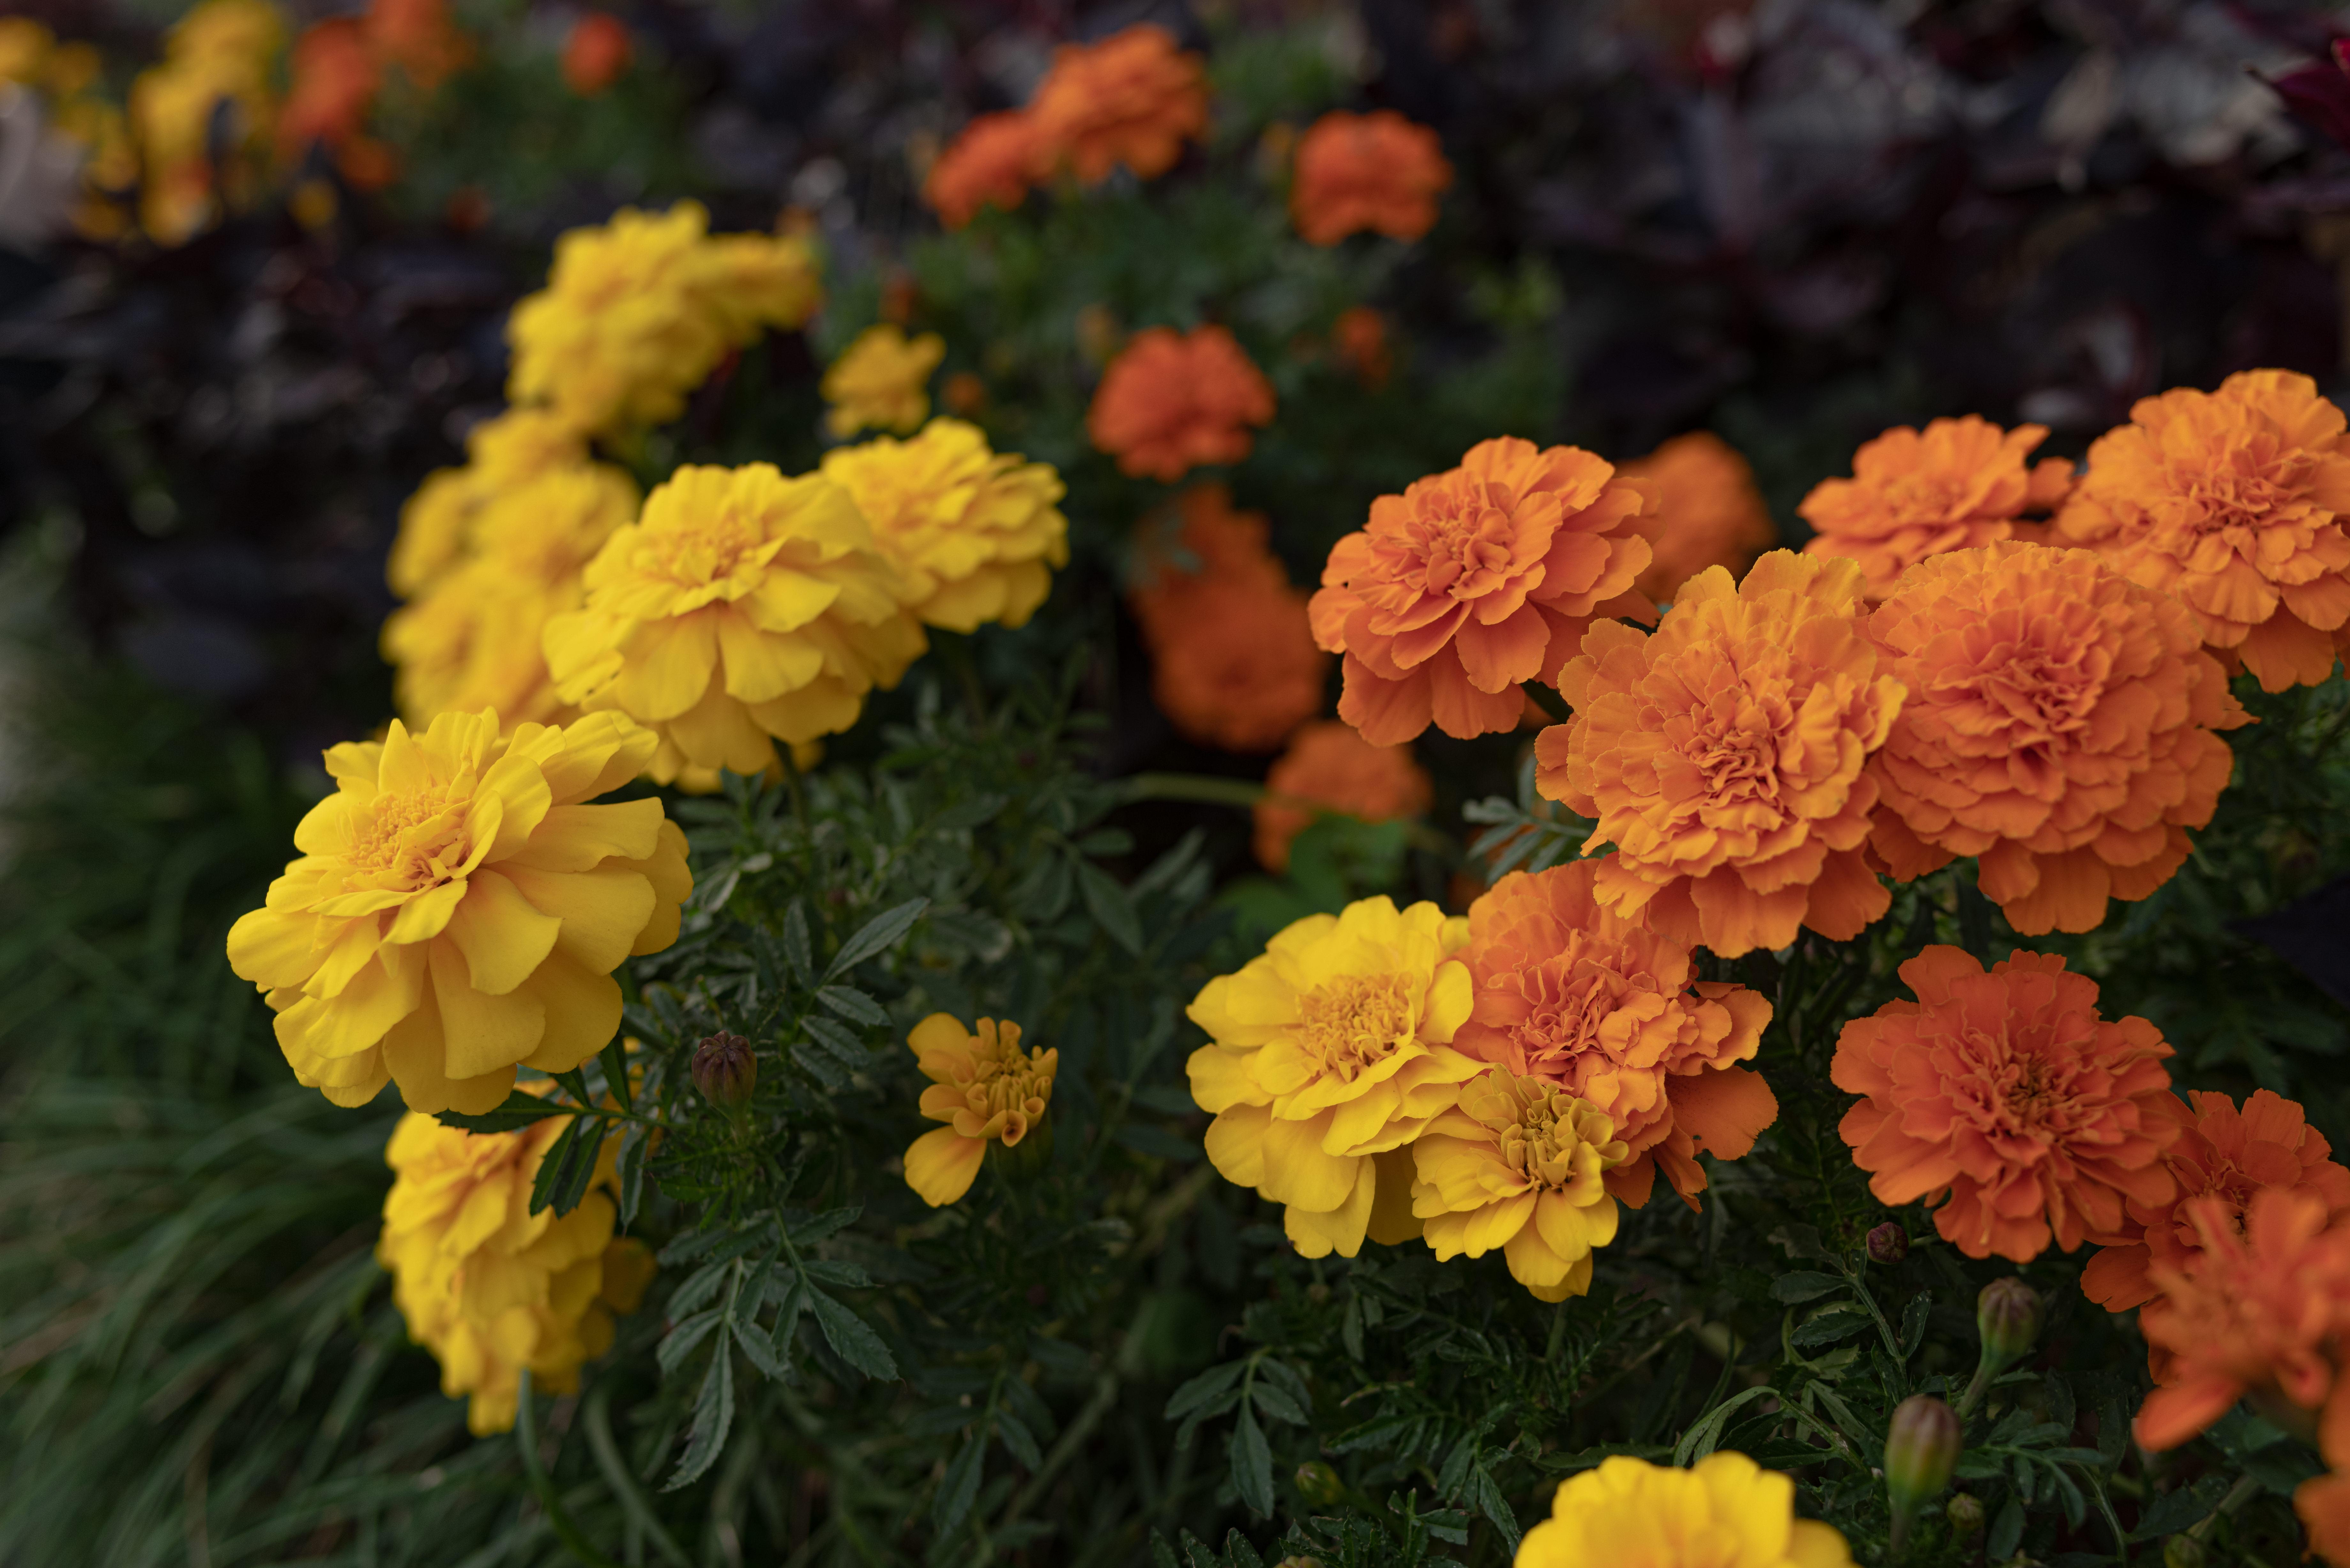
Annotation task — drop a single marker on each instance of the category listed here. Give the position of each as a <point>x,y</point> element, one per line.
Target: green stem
<point>542,1488</point>
<point>624,1486</point>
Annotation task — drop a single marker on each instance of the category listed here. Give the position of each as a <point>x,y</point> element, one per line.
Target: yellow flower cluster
<point>881,381</point>
<point>66,76</point>
<point>217,71</point>
<point>1520,1165</point>
<point>486,1285</point>
<point>640,311</point>
<point>1724,1510</point>
<point>985,1087</point>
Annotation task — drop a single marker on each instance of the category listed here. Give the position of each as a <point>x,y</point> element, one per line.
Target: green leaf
<point>760,1349</point>
<point>517,1111</point>
<point>568,1166</point>
<point>851,1339</point>
<point>1804,1285</point>
<point>2006,1533</point>
<point>958,1486</point>
<point>1110,908</point>
<point>1700,1439</point>
<point>853,1004</point>
<point>1913,1323</point>
<point>1197,1391</point>
<point>1252,1464</point>
<point>837,1042</point>
<point>1833,1324</point>
<point>690,1331</point>
<point>616,1075</point>
<point>876,936</point>
<point>795,943</point>
<point>713,1416</point>
<point>1490,1503</point>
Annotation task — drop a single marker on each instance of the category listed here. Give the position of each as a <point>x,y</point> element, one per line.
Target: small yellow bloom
<point>881,379</point>
<point>974,532</point>
<point>215,74</point>
<point>743,609</point>
<point>1518,1165</point>
<point>1724,1512</point>
<point>636,314</point>
<point>436,526</point>
<point>459,908</point>
<point>985,1087</point>
<point>1331,1052</point>
<point>486,1285</point>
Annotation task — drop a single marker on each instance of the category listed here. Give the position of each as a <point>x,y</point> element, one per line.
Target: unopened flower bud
<point>1889,1243</point>
<point>1965,1512</point>
<point>1921,1449</point>
<point>725,1071</point>
<point>2182,1551</point>
<point>2007,1315</point>
<point>1319,1483</point>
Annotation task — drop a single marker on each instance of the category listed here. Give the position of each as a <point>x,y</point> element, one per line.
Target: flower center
<point>1541,1130</point>
<point>707,549</point>
<point>1006,1079</point>
<point>415,839</point>
<point>2244,493</point>
<point>1463,536</point>
<point>1356,1021</point>
<point>2028,697</point>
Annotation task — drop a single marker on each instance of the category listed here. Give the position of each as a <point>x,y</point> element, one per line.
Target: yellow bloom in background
<point>1723,1511</point>
<point>459,908</point>
<point>743,609</point>
<point>881,381</point>
<point>985,1087</point>
<point>637,313</point>
<point>220,52</point>
<point>1520,1165</point>
<point>486,1285</point>
<point>975,534</point>
<point>1330,1052</point>
<point>436,526</point>
<point>471,640</point>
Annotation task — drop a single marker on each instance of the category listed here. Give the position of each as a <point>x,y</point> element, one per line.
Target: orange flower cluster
<point>1475,580</point>
<point>1171,402</point>
<point>2233,501</point>
<point>1374,171</point>
<point>1961,483</point>
<point>1330,764</point>
<point>1709,512</point>
<point>596,53</point>
<point>339,66</point>
<point>2223,1155</point>
<point>1725,757</point>
<point>1233,658</point>
<point>2004,1098</point>
<point>1132,100</point>
<point>1571,992</point>
<point>2061,726</point>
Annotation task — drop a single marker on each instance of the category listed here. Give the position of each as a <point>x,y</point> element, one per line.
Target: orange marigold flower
<point>596,54</point>
<point>1357,171</point>
<point>1709,512</point>
<point>2059,727</point>
<point>335,81</point>
<point>1199,538</point>
<point>2324,1504</point>
<point>1171,402</point>
<point>991,160</point>
<point>1570,992</point>
<point>2257,1311</point>
<point>417,36</point>
<point>2227,1155</point>
<point>1724,757</point>
<point>1330,764</point>
<point>2233,501</point>
<point>1475,579</point>
<point>2004,1097</point>
<point>1131,98</point>
<point>1239,669</point>
<point>1361,336</point>
<point>1959,483</point>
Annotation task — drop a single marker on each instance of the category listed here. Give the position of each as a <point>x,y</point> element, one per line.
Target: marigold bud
<point>725,1071</point>
<point>2007,1315</point>
<point>1921,1449</point>
<point>1889,1243</point>
<point>1965,1512</point>
<point>2182,1551</point>
<point>1319,1482</point>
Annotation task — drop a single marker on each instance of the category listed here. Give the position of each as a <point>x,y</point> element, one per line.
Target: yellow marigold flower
<point>882,380</point>
<point>472,640</point>
<point>1724,1512</point>
<point>436,526</point>
<point>486,1285</point>
<point>636,314</point>
<point>216,75</point>
<point>742,609</point>
<point>1329,1052</point>
<point>985,1087</point>
<point>975,532</point>
<point>1520,1165</point>
<point>459,908</point>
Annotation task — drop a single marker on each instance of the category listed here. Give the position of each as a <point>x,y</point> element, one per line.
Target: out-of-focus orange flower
<point>2004,1098</point>
<point>2060,726</point>
<point>990,161</point>
<point>1912,495</point>
<point>1171,402</point>
<point>1331,766</point>
<point>1132,99</point>
<point>1377,172</point>
<point>2323,1502</point>
<point>1476,579</point>
<point>1361,336</point>
<point>417,36</point>
<point>2226,1155</point>
<point>1725,756</point>
<point>1198,538</point>
<point>1709,512</point>
<point>596,53</point>
<point>335,81</point>
<point>2262,1310</point>
<point>2233,501</point>
<point>1571,992</point>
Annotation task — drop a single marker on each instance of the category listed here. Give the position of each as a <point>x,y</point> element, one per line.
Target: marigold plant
<point>1725,756</point>
<point>1326,1054</point>
<point>985,1087</point>
<point>2060,727</point>
<point>1330,764</point>
<point>1709,512</point>
<point>2232,500</point>
<point>2003,1100</point>
<point>1519,1164</point>
<point>989,162</point>
<point>881,381</point>
<point>741,608</point>
<point>1959,483</point>
<point>1571,992</point>
<point>459,908</point>
<point>1132,99</point>
<point>1376,171</point>
<point>973,533</point>
<point>1172,401</point>
<point>1722,1511</point>
<point>1475,580</point>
